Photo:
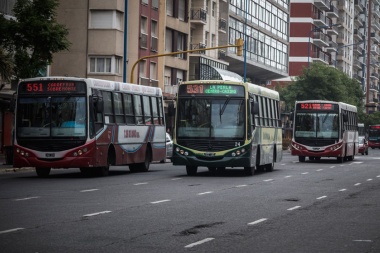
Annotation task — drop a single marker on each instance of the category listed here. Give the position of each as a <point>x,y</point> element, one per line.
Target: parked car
<point>363,145</point>
<point>169,147</point>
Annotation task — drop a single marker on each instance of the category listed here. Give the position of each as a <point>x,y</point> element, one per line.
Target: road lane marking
<point>322,197</point>
<point>342,190</point>
<point>140,183</point>
<point>268,180</point>
<point>242,185</point>
<point>257,221</point>
<point>283,164</point>
<point>27,198</point>
<point>319,169</point>
<point>356,163</point>
<point>160,201</point>
<point>357,184</point>
<point>369,179</point>
<point>199,242</point>
<point>203,193</point>
<point>176,178</point>
<point>305,173</point>
<point>362,240</point>
<point>332,167</point>
<point>10,230</point>
<point>90,190</point>
<point>293,208</point>
<point>378,176</point>
<point>94,214</point>
<point>287,176</point>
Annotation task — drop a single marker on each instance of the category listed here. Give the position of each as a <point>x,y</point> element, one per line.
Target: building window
<point>145,2</point>
<point>154,38</point>
<point>206,38</point>
<point>105,64</point>
<point>153,71</point>
<point>169,8</point>
<point>213,9</point>
<point>182,10</point>
<point>144,32</point>
<point>106,19</point>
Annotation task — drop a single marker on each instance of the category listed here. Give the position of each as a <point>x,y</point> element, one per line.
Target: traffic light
<point>239,46</point>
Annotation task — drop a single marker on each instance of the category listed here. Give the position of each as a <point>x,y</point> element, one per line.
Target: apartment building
<point>336,33</point>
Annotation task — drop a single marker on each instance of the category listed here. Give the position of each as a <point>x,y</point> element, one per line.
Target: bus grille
<point>207,146</point>
<point>50,145</point>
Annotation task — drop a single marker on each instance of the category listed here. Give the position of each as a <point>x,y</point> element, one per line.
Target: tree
<point>34,36</point>
<point>322,82</point>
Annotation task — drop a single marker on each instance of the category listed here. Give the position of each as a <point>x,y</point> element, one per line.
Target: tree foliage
<point>322,82</point>
<point>33,36</point>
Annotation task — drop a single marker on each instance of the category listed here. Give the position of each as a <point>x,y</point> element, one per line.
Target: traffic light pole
<point>239,46</point>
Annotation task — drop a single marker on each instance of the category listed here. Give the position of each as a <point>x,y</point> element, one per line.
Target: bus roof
<point>341,104</point>
<point>250,87</point>
<point>104,84</point>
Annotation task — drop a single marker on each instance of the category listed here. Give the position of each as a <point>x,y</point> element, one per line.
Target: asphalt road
<point>299,207</point>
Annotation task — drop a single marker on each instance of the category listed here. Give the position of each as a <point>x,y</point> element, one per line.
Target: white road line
<point>176,179</point>
<point>378,176</point>
<point>287,176</point>
<point>342,190</point>
<point>369,179</point>
<point>199,242</point>
<point>305,173</point>
<point>203,193</point>
<point>375,158</point>
<point>293,208</point>
<point>283,164</point>
<point>93,214</point>
<point>140,183</point>
<point>242,185</point>
<point>160,201</point>
<point>357,184</point>
<point>257,221</point>
<point>319,169</point>
<point>268,180</point>
<point>332,167</point>
<point>322,197</point>
<point>27,198</point>
<point>90,190</point>
<point>357,162</point>
<point>10,230</point>
<point>362,240</point>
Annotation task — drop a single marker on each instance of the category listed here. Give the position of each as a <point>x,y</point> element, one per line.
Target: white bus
<point>67,122</point>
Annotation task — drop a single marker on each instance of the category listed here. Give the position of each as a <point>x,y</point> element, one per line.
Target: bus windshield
<point>63,116</point>
<point>211,118</point>
<point>321,125</point>
<point>374,134</point>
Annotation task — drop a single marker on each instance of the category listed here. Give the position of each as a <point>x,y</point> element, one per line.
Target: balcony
<point>359,21</point>
<point>200,45</point>
<point>375,50</point>
<point>171,89</point>
<point>322,4</point>
<point>376,25</point>
<point>222,25</point>
<point>332,47</point>
<point>358,34</point>
<point>198,16</point>
<point>320,39</point>
<point>374,76</point>
<point>376,11</point>
<point>319,19</point>
<point>333,12</point>
<point>148,82</point>
<point>357,64</point>
<point>320,56</point>
<point>359,5</point>
<point>375,37</point>
<point>221,54</point>
<point>333,30</point>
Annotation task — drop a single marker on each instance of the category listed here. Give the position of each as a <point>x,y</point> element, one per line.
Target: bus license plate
<point>50,155</point>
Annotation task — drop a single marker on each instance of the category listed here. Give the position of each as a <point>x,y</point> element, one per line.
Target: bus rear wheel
<point>144,167</point>
<point>43,172</point>
<point>191,170</point>
<point>269,167</point>
<point>301,159</point>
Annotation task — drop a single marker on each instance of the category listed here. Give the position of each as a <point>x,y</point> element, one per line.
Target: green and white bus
<point>220,124</point>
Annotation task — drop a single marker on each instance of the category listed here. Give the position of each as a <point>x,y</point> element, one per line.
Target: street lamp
<point>314,30</point>
<point>338,48</point>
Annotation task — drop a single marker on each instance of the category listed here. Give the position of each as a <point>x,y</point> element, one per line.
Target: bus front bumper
<point>331,151</point>
<point>217,162</point>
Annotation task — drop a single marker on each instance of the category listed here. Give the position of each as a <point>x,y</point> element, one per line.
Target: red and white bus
<point>324,129</point>
<point>67,122</point>
<point>374,136</point>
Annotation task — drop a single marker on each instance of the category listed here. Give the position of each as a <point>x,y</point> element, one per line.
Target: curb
<point>10,170</point>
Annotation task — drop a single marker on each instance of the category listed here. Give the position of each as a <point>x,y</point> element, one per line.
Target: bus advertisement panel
<point>64,122</point>
<point>374,136</point>
<point>221,124</point>
<point>324,129</point>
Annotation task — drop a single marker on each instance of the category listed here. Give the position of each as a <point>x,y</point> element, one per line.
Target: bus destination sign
<point>51,86</point>
<point>211,89</point>
<point>316,106</point>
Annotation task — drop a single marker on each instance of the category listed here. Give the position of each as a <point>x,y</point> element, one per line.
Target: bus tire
<point>144,167</point>
<point>340,159</point>
<point>103,171</point>
<point>249,171</point>
<point>86,172</point>
<point>301,159</point>
<point>191,170</point>
<point>269,167</point>
<point>133,168</point>
<point>42,172</point>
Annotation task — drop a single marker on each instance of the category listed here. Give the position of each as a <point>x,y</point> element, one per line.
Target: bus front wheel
<point>269,167</point>
<point>43,172</point>
<point>301,159</point>
<point>249,171</point>
<point>191,170</point>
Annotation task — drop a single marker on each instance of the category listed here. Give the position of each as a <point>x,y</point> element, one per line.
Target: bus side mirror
<point>254,108</point>
<point>345,118</point>
<point>171,110</point>
<point>291,116</point>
